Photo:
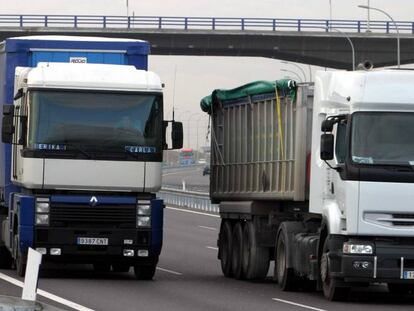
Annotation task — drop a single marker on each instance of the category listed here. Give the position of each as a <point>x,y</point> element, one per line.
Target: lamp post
<point>367,7</point>
<point>350,43</point>
<point>292,72</point>
<point>297,66</point>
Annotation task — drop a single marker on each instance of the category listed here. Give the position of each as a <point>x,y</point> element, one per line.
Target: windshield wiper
<point>78,148</point>
<point>134,155</point>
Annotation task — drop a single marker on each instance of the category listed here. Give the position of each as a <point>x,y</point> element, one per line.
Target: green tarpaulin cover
<point>284,87</point>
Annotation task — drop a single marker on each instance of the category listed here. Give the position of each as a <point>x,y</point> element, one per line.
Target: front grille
<point>119,216</point>
<point>391,219</point>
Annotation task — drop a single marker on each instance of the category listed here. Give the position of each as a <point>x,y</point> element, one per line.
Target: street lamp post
<point>297,66</point>
<point>292,72</point>
<point>350,43</point>
<point>367,7</point>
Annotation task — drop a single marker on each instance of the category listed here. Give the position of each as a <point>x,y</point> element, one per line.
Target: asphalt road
<point>188,279</point>
<point>192,176</point>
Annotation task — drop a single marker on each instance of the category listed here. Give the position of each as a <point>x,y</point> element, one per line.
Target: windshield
<point>383,138</point>
<point>95,121</point>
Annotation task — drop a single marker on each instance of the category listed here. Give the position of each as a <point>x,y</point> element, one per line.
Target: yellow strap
<point>279,123</point>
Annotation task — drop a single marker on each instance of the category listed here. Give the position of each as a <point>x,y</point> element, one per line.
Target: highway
<point>192,175</point>
<point>188,278</point>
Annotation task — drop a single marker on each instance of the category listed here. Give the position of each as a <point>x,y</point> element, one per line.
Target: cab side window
<point>340,144</point>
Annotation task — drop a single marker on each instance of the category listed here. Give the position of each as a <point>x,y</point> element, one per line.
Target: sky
<point>194,77</point>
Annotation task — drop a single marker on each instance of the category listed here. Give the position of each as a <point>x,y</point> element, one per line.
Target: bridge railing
<point>188,199</point>
<point>200,23</point>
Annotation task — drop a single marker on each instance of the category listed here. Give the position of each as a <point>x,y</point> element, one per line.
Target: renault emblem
<point>93,201</point>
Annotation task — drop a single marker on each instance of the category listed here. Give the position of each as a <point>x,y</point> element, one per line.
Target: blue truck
<point>80,160</point>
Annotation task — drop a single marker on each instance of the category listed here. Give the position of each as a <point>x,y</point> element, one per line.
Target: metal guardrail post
<point>213,24</point>
<point>387,27</point>
<point>45,20</point>
<point>274,24</point>
<point>159,22</point>
<point>299,24</point>
<point>242,24</point>
<point>75,21</point>
<point>359,26</point>
<point>129,22</point>
<point>185,23</point>
<point>104,21</point>
<point>21,20</point>
<point>327,26</point>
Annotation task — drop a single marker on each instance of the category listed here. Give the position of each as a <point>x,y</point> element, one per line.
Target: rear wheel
<point>285,276</point>
<point>331,291</point>
<point>255,258</point>
<point>237,252</point>
<point>225,248</point>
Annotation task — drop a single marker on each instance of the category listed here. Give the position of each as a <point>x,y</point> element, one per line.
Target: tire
<point>284,275</point>
<point>146,272</point>
<point>237,252</point>
<point>120,267</point>
<point>6,260</point>
<point>255,259</point>
<point>19,261</point>
<point>225,248</point>
<point>331,291</point>
<point>400,289</point>
<point>101,267</point>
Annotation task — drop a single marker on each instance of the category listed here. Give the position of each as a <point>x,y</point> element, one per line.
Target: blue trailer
<point>83,135</point>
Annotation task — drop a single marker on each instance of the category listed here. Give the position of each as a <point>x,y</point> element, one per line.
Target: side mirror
<point>7,128</point>
<point>327,147</point>
<point>177,135</point>
<point>327,125</point>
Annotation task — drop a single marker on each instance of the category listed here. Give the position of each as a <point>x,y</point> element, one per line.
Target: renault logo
<point>93,201</point>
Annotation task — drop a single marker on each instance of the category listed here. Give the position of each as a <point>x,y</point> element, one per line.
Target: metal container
<point>261,146</point>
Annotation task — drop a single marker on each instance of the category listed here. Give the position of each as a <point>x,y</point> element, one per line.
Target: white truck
<point>319,178</point>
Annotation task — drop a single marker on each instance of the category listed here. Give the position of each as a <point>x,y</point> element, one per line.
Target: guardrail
<point>188,199</point>
<point>203,23</point>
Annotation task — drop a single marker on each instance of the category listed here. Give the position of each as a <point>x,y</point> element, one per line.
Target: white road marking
<point>47,295</point>
<point>297,304</point>
<point>212,247</point>
<point>174,173</point>
<point>169,271</point>
<point>208,228</point>
<point>192,212</point>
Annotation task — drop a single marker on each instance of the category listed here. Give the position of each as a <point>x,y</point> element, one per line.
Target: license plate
<point>409,275</point>
<point>92,241</point>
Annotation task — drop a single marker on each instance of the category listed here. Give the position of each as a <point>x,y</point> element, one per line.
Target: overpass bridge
<point>311,41</point>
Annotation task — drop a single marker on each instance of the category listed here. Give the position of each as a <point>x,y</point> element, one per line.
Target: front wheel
<point>284,275</point>
<point>331,291</point>
<point>19,259</point>
<point>146,272</point>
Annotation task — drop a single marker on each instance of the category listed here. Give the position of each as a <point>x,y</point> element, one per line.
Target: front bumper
<point>392,261</point>
<point>66,240</point>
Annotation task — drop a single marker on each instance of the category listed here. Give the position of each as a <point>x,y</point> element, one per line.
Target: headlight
<point>42,207</point>
<point>42,219</point>
<point>143,221</point>
<point>353,248</point>
<point>144,210</point>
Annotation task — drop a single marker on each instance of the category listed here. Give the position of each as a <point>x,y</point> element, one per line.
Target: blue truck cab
<point>80,159</point>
